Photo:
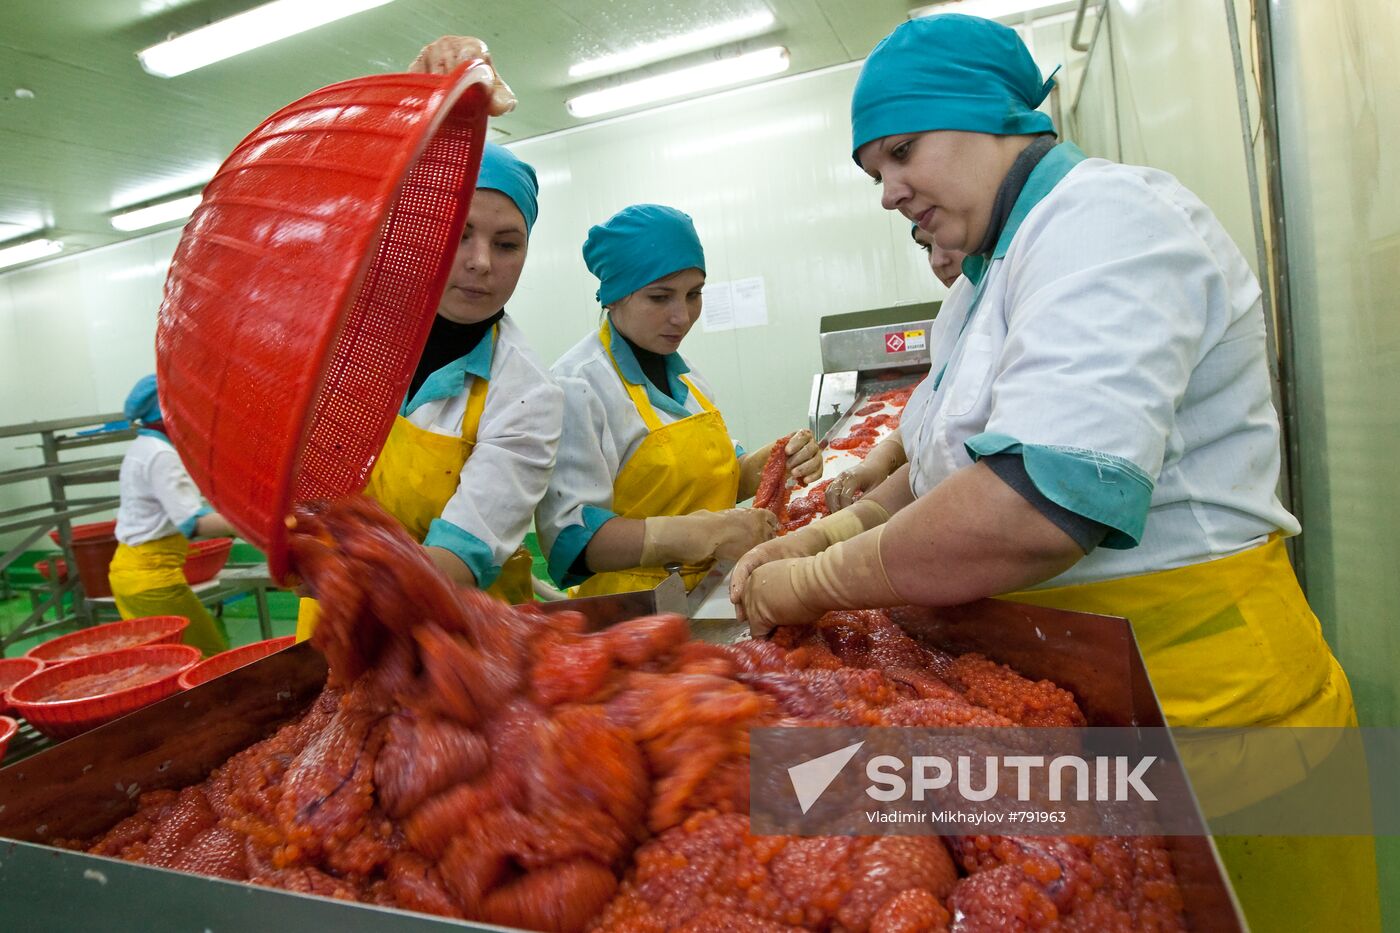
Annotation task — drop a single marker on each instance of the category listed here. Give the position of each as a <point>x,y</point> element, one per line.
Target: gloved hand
<point>886,457</point>
<point>807,541</point>
<point>804,457</point>
<point>804,461</point>
<point>796,591</point>
<point>440,56</point>
<point>699,536</point>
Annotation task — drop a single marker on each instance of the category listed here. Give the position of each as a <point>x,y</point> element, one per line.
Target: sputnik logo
<point>811,778</point>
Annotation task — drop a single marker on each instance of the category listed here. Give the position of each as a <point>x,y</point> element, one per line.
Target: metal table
<point>231,583</point>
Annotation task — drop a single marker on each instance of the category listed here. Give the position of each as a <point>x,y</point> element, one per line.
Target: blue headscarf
<point>502,171</point>
<point>949,72</point>
<point>638,245</point>
<point>142,403</point>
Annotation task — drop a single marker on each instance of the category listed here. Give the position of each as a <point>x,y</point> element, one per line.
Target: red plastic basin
<point>304,286</point>
<point>93,531</point>
<point>8,728</point>
<point>152,673</point>
<point>12,671</point>
<point>114,636</point>
<point>93,547</point>
<point>206,559</point>
<point>232,660</point>
<point>46,569</point>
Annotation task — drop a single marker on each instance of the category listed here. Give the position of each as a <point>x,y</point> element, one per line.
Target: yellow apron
<point>678,468</point>
<point>149,580</point>
<point>1232,643</point>
<point>415,475</point>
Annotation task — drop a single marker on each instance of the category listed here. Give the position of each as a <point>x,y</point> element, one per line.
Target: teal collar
<point>672,401</point>
<point>452,378</point>
<point>1043,178</point>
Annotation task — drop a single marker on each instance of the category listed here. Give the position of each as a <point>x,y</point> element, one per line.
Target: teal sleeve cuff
<point>188,526</point>
<point>1107,489</point>
<point>472,550</point>
<point>571,543</point>
<point>739,450</point>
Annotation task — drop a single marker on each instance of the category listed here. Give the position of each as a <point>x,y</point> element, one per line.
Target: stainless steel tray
<point>80,787</point>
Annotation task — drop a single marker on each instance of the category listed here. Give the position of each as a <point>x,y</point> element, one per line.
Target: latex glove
<point>807,541</point>
<point>440,56</point>
<point>798,591</point>
<point>699,536</point>
<point>804,457</point>
<point>886,457</point>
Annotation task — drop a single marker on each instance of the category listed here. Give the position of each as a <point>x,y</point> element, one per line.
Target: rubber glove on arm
<point>699,536</point>
<point>883,459</point>
<point>970,537</point>
<point>807,541</point>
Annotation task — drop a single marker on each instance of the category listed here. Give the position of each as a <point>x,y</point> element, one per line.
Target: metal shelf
<point>31,522</point>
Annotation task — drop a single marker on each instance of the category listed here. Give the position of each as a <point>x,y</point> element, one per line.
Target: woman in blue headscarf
<point>648,475</point>
<point>1097,431</point>
<point>471,451</point>
<point>160,512</point>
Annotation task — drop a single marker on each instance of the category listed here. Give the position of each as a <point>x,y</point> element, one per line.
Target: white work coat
<point>1116,341</point>
<point>601,431</point>
<point>487,517</point>
<point>158,498</point>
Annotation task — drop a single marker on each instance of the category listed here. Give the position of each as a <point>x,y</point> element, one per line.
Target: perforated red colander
<point>304,286</point>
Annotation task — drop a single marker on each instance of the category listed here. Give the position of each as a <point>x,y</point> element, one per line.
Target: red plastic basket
<point>303,288</point>
<point>90,532</point>
<point>104,639</point>
<point>46,569</point>
<point>12,671</point>
<point>93,547</point>
<point>8,728</point>
<point>232,660</point>
<point>206,559</point>
<point>60,719</point>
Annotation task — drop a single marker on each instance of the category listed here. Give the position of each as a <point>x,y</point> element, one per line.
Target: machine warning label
<point>898,341</point>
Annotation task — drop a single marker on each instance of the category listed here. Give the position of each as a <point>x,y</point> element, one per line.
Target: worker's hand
<point>886,457</point>
<point>800,543</point>
<point>440,56</point>
<point>805,542</point>
<point>699,536</point>
<point>771,598</point>
<point>848,575</point>
<point>804,457</point>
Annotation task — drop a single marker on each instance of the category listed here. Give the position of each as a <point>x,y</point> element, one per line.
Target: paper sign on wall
<point>731,305</point>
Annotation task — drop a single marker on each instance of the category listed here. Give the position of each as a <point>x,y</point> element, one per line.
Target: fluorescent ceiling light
<point>248,30</point>
<point>24,252</point>
<point>164,212</point>
<point>987,9</point>
<point>149,191</point>
<point>662,49</point>
<point>705,77</point>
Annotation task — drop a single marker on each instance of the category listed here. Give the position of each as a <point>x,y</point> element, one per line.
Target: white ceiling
<point>85,131</point>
